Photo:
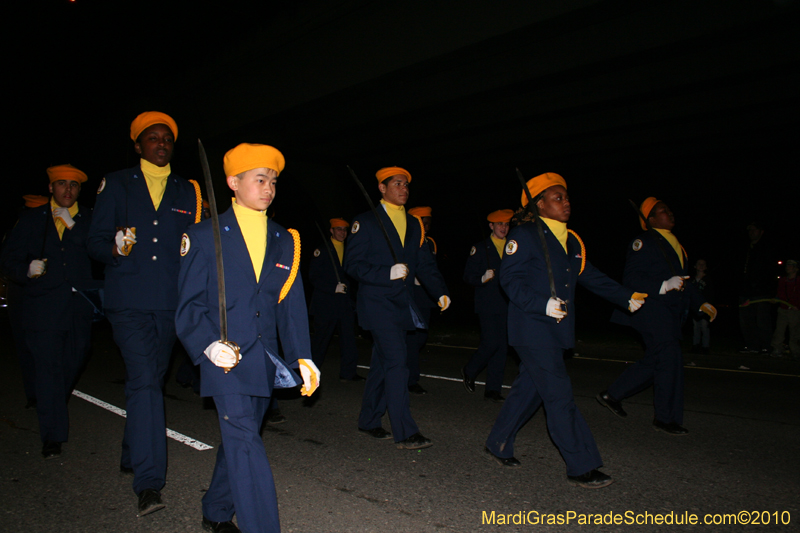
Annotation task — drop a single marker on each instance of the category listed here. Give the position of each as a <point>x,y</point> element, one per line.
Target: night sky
<point>696,103</point>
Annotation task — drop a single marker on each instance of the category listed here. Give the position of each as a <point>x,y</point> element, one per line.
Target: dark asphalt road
<point>742,454</point>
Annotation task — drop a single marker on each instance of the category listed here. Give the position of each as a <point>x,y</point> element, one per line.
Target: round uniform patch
<point>511,248</point>
<point>637,245</point>
<point>102,186</point>
<point>185,245</point>
<point>472,252</point>
<point>356,227</point>
<point>316,252</point>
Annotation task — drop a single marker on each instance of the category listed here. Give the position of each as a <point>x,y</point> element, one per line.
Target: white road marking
<point>196,444</point>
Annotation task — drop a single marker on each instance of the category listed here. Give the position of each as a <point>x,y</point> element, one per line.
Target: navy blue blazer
<point>255,318</point>
<point>47,301</point>
<point>383,302</point>
<point>523,276</point>
<point>646,269</point>
<point>489,296</point>
<point>324,299</point>
<point>147,278</point>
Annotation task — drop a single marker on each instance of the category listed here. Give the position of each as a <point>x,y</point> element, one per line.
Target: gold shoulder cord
<point>198,214</point>
<point>295,265</point>
<point>422,230</point>
<point>583,251</point>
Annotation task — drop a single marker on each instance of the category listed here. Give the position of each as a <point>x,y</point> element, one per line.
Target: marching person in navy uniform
<point>139,217</point>
<point>491,305</point>
<point>14,297</point>
<point>658,265</point>
<point>332,303</point>
<point>541,327</point>
<point>264,297</point>
<point>386,305</point>
<point>416,339</point>
<point>46,254</point>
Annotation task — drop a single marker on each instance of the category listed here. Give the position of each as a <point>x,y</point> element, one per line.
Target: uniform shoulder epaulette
<point>295,265</point>
<point>198,214</point>
<point>583,251</point>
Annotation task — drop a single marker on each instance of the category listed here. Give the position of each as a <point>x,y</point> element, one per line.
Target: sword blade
<point>212,202</point>
<point>374,212</point>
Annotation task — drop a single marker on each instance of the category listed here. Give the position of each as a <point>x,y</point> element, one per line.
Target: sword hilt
<point>235,347</point>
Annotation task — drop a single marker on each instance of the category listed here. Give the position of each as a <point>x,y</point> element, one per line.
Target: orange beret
<point>35,200</point>
<point>66,172</point>
<point>502,215</point>
<point>339,223</point>
<point>388,172</point>
<point>645,209</point>
<point>420,211</point>
<point>249,156</point>
<point>541,183</point>
<point>147,119</point>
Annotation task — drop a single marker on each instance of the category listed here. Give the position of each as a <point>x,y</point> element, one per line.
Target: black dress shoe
<point>414,442</point>
<point>416,388</point>
<point>469,383</point>
<point>591,480</point>
<point>377,433</point>
<point>150,502</point>
<point>493,396</point>
<point>613,405</point>
<point>31,403</point>
<point>355,378</point>
<point>219,527</point>
<point>125,470</point>
<point>51,449</point>
<point>672,428</point>
<point>502,461</point>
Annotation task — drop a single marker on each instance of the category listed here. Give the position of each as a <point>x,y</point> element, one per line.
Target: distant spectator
<point>788,312</point>
<point>701,341</point>
<point>757,285</point>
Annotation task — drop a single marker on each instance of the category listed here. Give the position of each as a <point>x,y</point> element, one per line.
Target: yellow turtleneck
<point>673,241</point>
<point>499,244</point>
<point>397,214</point>
<point>254,230</point>
<point>156,179</point>
<point>60,227</point>
<point>339,247</point>
<point>559,230</point>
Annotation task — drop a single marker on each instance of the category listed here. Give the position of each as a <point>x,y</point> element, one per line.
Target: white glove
<point>62,213</point>
<point>444,302</point>
<point>416,282</point>
<point>125,241</point>
<point>636,301</point>
<point>489,274</point>
<point>222,355</point>
<point>36,268</point>
<point>311,375</point>
<point>675,283</point>
<point>341,288</point>
<point>555,309</point>
<point>399,271</point>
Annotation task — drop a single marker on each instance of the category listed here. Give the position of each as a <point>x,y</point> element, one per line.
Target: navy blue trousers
<point>492,350</point>
<point>386,388</point>
<point>59,356</point>
<point>325,325</point>
<point>242,482</point>
<point>661,367</point>
<point>145,339</point>
<point>415,342</point>
<point>543,380</point>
